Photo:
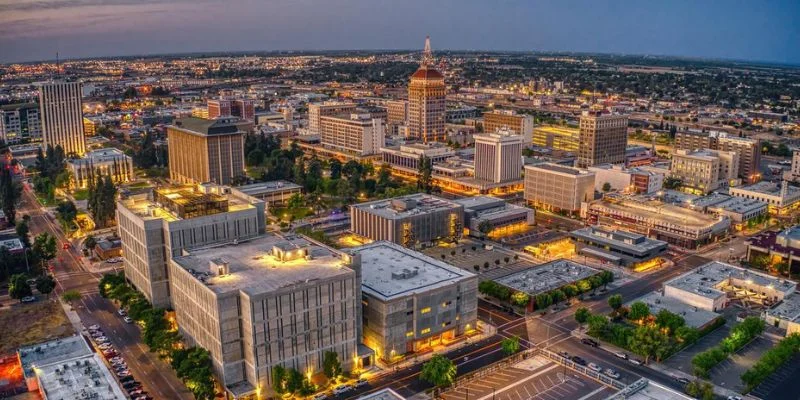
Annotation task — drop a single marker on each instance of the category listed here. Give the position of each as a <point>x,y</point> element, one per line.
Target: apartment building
<point>318,110</point>
<point>354,134</point>
<point>412,302</point>
<point>558,188</point>
<point>498,156</point>
<point>159,225</point>
<point>20,121</point>
<point>205,150</point>
<point>603,139</point>
<point>61,113</point>
<point>273,300</point>
<point>509,119</point>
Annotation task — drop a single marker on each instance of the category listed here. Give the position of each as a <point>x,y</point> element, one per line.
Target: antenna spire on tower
<point>427,54</point>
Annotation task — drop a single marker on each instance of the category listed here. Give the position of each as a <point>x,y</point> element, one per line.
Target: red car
<point>65,246</point>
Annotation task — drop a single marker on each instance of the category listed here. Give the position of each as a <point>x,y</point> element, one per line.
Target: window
<point>424,331</point>
<point>425,310</point>
<point>410,334</point>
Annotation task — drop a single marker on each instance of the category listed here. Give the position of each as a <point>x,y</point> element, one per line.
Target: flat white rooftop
<point>406,206</point>
<point>384,394</point>
<point>262,188</point>
<point>390,271</point>
<point>694,316</point>
<point>546,277</point>
<point>788,310</point>
<point>655,391</point>
<point>255,269</point>
<point>705,279</point>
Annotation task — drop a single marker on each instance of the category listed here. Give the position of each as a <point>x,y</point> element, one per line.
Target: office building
<point>509,119</point>
<point>67,368</point>
<point>427,101</point>
<point>556,187</point>
<point>781,198</point>
<point>673,224</point>
<point>748,149</point>
<point>246,109</point>
<point>603,139</point>
<point>396,113</point>
<point>616,246</point>
<point>318,110</point>
<point>205,150</point>
<point>498,156</point>
<point>714,285</point>
<point>269,301</point>
<point>738,209</point>
<point>273,193</point>
<point>486,216</point>
<point>218,108</point>
<point>412,302</point>
<point>103,162</point>
<point>159,225</point>
<point>20,121</point>
<point>411,221</point>
<point>794,173</point>
<point>630,180</point>
<point>61,112</point>
<point>356,134</point>
<point>785,315</point>
<point>459,112</point>
<point>557,138</point>
<point>703,171</point>
<point>780,246</point>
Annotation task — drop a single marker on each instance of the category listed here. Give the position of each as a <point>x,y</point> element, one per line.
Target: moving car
<point>590,342</point>
<point>682,380</point>
<point>578,360</point>
<point>361,382</point>
<point>28,299</point>
<point>594,367</point>
<point>342,389</point>
<point>621,355</point>
<point>635,361</point>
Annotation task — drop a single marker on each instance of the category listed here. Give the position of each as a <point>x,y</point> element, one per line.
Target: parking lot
<point>535,378</point>
<point>683,359</point>
<point>782,383</point>
<point>727,373</point>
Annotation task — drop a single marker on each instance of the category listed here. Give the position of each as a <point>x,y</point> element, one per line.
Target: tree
<point>10,192</point>
<point>71,295</point>
<point>66,212</point>
<point>335,167</point>
<point>639,311</point>
<point>606,187</point>
<point>510,345</point>
<point>424,171</point>
<point>597,325</point>
<point>438,371</point>
<point>615,301</point>
<point>45,284</point>
<point>649,341</point>
<point>255,158</point>
<point>90,242</point>
<point>331,365</point>
<point>520,299</point>
<point>44,248</point>
<point>279,379</point>
<point>294,381</point>
<point>18,287</point>
<point>23,231</point>
<point>582,315</point>
<point>295,201</point>
<point>669,321</point>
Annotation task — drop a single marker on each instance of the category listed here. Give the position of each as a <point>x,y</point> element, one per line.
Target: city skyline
<point>36,30</point>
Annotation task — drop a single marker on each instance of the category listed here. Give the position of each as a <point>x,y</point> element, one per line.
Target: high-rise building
<point>61,112</point>
<point>498,156</point>
<point>20,121</point>
<point>219,108</point>
<point>244,109</point>
<point>318,110</point>
<point>157,226</point>
<point>519,123</point>
<point>396,112</point>
<point>427,101</point>
<point>557,187</point>
<point>358,134</point>
<point>205,150</point>
<point>603,138</point>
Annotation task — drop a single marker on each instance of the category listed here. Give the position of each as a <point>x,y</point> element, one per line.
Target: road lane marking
<point>521,381</point>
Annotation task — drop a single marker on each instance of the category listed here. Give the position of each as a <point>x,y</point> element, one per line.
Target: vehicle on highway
<point>682,380</point>
<point>610,372</point>
<point>578,360</point>
<point>361,382</point>
<point>594,367</point>
<point>635,361</point>
<point>589,342</point>
<point>28,299</point>
<point>321,396</point>
<point>128,320</point>
<point>734,398</point>
<point>621,355</point>
<point>342,389</point>
<point>121,312</point>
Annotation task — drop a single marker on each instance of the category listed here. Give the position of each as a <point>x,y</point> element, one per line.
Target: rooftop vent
<point>220,266</point>
<point>405,274</point>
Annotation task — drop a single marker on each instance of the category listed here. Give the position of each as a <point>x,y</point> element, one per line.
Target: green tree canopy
<point>438,371</point>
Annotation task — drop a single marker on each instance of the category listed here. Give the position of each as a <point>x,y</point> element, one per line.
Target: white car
<point>635,361</point>
<point>104,346</point>
<point>342,389</point>
<point>621,355</point>
<point>610,372</point>
<point>101,339</point>
<point>121,313</point>
<point>594,367</point>
<point>94,327</point>
<point>128,320</point>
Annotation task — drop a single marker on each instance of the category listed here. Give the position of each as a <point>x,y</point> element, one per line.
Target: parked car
<point>121,312</point>
<point>130,384</point>
<point>621,355</point>
<point>137,392</point>
<point>342,389</point>
<point>125,379</point>
<point>564,354</point>
<point>101,339</point>
<point>578,360</point>
<point>94,327</point>
<point>610,372</point>
<point>128,320</point>
<point>594,367</point>
<point>682,380</point>
<point>361,382</point>
<point>590,342</point>
<point>104,346</point>
<point>28,299</point>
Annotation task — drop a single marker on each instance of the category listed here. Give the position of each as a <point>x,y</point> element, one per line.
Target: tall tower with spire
<point>427,100</point>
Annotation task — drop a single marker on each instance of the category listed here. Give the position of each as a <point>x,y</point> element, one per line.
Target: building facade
<point>61,112</point>
<point>205,150</point>
<point>318,110</point>
<point>20,121</point>
<point>521,124</point>
<point>427,106</point>
<point>357,134</point>
<point>558,188</point>
<point>703,171</point>
<point>412,302</point>
<point>486,216</point>
<point>102,162</point>
<point>603,139</point>
<point>748,149</point>
<point>498,156</point>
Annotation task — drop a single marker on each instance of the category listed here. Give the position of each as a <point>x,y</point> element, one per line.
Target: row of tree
<point>770,361</point>
<point>739,336</point>
<point>102,201</point>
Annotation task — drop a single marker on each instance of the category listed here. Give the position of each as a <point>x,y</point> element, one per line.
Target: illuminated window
<point>409,334</point>
<point>425,310</point>
<point>424,331</point>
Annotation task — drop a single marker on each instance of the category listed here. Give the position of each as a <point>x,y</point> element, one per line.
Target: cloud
<point>39,5</point>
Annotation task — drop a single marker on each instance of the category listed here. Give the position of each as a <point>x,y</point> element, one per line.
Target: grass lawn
<point>25,324</point>
<point>81,194</point>
<point>45,202</point>
<point>285,213</point>
<point>139,185</point>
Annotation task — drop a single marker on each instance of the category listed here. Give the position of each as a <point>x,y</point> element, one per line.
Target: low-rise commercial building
<point>557,138</point>
<point>103,162</point>
<point>630,180</point>
<point>412,302</point>
<point>779,246</point>
<point>411,221</point>
<point>785,315</point>
<point>272,300</point>
<point>67,368</point>
<point>489,216</point>
<point>694,317</point>
<point>617,246</point>
<point>703,171</point>
<point>782,199</point>
<point>521,124</point>
<point>673,224</point>
<point>556,187</point>
<point>714,285</point>
<point>546,277</point>
<point>272,193</point>
<point>159,225</point>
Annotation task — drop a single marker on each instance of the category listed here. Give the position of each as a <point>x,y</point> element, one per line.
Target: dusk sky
<point>763,30</point>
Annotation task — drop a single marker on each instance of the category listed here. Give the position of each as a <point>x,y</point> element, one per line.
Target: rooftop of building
<point>619,239</point>
<point>425,72</point>
<point>264,264</point>
<point>705,279</point>
<point>106,154</point>
<point>207,127</point>
<point>652,391</point>
<point>561,169</point>
<point>84,378</point>
<point>255,189</point>
<point>558,130</point>
<point>390,271</point>
<point>768,188</point>
<point>546,277</point>
<point>406,206</point>
<point>694,316</point>
<point>11,244</point>
<point>788,309</point>
<point>180,202</point>
<point>490,207</point>
<point>54,351</point>
<point>739,205</point>
<point>657,210</point>
<point>383,394</point>
<point>19,106</point>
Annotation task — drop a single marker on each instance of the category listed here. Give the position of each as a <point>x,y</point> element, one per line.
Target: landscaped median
<point>740,335</point>
<point>773,359</point>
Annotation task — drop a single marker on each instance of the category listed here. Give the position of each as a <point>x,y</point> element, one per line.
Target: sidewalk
<point>656,366</point>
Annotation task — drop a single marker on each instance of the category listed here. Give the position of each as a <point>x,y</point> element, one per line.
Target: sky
<point>759,30</point>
